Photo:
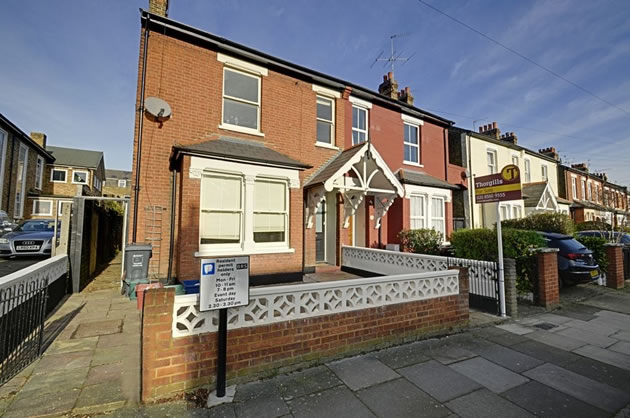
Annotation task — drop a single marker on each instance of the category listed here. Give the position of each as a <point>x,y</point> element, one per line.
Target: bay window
<point>437,215</point>
<point>221,209</point>
<point>417,217</point>
<point>270,211</point>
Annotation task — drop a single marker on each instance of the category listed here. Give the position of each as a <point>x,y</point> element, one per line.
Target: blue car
<point>32,237</point>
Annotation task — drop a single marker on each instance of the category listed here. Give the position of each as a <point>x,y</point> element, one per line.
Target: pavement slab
<point>542,400</point>
<point>335,402</point>
<point>494,377</point>
<point>553,318</point>
<point>546,352</point>
<point>558,341</point>
<point>28,404</point>
<point>69,346</point>
<point>402,356</point>
<point>602,372</point>
<point>507,338</point>
<point>101,397</point>
<point>399,398</point>
<point>622,347</point>
<point>622,335</point>
<point>588,390</point>
<point>439,381</point>
<point>591,338</point>
<point>96,328</point>
<point>515,328</point>
<point>450,354</point>
<point>305,382</point>
<point>53,381</point>
<point>593,328</point>
<point>610,302</point>
<point>577,311</point>
<point>63,361</point>
<point>605,356</point>
<point>361,372</point>
<point>484,404</point>
<point>104,373</point>
<point>508,358</point>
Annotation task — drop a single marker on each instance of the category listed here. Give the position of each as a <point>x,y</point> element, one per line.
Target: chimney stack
<point>509,137</point>
<point>550,152</point>
<point>405,96</point>
<point>491,130</point>
<point>158,7</point>
<point>40,138</point>
<point>580,166</point>
<point>389,86</point>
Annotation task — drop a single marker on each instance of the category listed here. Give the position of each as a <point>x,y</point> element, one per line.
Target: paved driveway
<point>11,265</point>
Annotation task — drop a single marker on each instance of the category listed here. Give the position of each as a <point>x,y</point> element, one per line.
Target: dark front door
<point>320,233</point>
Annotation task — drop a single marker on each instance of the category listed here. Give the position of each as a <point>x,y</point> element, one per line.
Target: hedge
<point>546,222</point>
<point>593,226</point>
<point>596,244</point>
<point>481,244</point>
<point>421,241</point>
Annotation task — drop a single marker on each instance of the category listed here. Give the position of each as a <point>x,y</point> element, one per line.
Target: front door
<point>320,233</point>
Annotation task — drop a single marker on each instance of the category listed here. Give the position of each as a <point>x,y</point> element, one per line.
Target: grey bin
<point>137,258</point>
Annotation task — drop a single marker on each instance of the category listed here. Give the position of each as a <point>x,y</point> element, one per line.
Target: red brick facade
<point>548,291</point>
<point>615,273</point>
<point>173,365</point>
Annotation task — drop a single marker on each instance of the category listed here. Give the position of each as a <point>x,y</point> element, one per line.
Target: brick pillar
<point>614,275</point>
<point>548,292</point>
<point>463,307</point>
<point>509,275</point>
<point>157,318</point>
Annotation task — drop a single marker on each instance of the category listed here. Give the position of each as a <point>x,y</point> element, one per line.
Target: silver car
<point>32,237</point>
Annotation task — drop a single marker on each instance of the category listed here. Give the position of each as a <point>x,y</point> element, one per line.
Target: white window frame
<point>527,168</point>
<point>424,205</point>
<point>52,172</point>
<point>589,190</point>
<point>124,183</point>
<point>18,212</point>
<point>3,154</point>
<point>544,172</point>
<point>515,160</point>
<point>284,243</point>
<point>583,188</point>
<point>443,218</point>
<point>50,211</point>
<point>492,169</point>
<point>39,173</point>
<point>330,122</point>
<point>409,144</point>
<point>226,246</point>
<point>367,124</point>
<point>87,177</point>
<point>574,187</point>
<point>225,125</point>
<point>60,204</point>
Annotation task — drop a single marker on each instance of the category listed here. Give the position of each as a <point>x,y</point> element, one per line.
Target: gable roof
<point>25,138</point>
<point>533,194</point>
<point>75,157</point>
<point>423,179</point>
<point>111,174</point>
<point>237,149</point>
<point>332,166</point>
<point>197,36</point>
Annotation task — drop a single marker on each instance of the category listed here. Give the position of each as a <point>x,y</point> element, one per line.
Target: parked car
<point>620,237</point>
<point>32,237</point>
<point>6,225</point>
<point>576,263</point>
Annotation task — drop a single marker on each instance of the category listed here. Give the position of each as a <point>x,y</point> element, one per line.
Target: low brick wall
<point>171,365</point>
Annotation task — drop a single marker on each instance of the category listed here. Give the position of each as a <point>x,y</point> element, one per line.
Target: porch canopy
<point>540,197</point>
<point>357,172</point>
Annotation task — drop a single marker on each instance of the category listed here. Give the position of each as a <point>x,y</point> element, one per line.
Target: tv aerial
<point>393,58</point>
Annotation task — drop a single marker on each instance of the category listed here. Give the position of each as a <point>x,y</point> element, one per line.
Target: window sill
<point>325,145</point>
<point>240,129</point>
<point>226,252</point>
<point>59,181</point>
<point>413,164</point>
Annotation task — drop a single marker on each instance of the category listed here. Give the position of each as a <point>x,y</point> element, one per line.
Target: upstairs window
<point>241,100</point>
<point>418,217</point>
<point>359,125</point>
<point>221,209</point>
<point>325,120</point>
<point>544,173</point>
<point>515,160</point>
<point>528,172</point>
<point>583,197</point>
<point>80,177</point>
<point>122,183</point>
<point>39,173</point>
<point>492,161</point>
<point>412,144</point>
<point>590,191</point>
<point>59,176</point>
<point>574,188</point>
<point>270,211</point>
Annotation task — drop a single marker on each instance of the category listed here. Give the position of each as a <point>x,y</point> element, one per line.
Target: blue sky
<point>70,67</point>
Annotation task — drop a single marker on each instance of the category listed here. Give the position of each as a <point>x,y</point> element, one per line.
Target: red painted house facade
<point>265,158</point>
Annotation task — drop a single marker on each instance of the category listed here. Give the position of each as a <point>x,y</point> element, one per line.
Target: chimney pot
<point>40,138</point>
<point>494,125</point>
<point>390,75</point>
<point>480,129</point>
<point>159,7</point>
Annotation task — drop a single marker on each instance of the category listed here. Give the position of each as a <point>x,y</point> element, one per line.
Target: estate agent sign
<point>224,283</point>
<point>499,187</point>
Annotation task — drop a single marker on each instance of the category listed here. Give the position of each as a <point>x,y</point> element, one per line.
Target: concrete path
<point>91,363</point>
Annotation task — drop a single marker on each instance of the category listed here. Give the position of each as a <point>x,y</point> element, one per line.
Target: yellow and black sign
<point>499,187</point>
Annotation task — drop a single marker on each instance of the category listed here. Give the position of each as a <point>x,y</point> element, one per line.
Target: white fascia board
<point>359,102</point>
<point>199,164</point>
<point>243,65</point>
<point>411,120</point>
<point>429,192</point>
<point>326,92</point>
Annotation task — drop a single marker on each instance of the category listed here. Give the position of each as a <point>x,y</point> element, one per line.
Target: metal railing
<point>23,308</point>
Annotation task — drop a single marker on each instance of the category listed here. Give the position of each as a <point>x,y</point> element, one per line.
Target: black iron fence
<point>24,304</point>
<point>483,279</point>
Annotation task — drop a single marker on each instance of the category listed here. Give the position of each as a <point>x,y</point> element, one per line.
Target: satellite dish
<point>157,108</point>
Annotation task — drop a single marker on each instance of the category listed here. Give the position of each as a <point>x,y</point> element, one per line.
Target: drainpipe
<point>304,197</point>
<point>140,125</point>
<point>171,244</point>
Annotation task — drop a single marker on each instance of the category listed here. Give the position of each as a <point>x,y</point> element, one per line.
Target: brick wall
<point>548,291</point>
<point>615,273</point>
<point>175,365</point>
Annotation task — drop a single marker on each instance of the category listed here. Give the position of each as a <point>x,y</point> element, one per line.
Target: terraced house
<point>22,168</point>
<point>266,158</point>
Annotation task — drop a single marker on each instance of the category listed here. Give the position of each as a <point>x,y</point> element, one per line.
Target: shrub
<point>421,241</point>
<point>596,244</point>
<point>481,244</point>
<point>546,222</point>
<point>593,226</point>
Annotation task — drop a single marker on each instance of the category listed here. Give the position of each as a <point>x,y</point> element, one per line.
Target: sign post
<point>224,284</point>
<point>500,187</point>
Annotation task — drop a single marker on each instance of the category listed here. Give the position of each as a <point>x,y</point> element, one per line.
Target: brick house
<point>75,172</point>
<point>22,168</point>
<point>592,196</point>
<point>117,183</point>
<point>277,161</point>
<point>487,152</point>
